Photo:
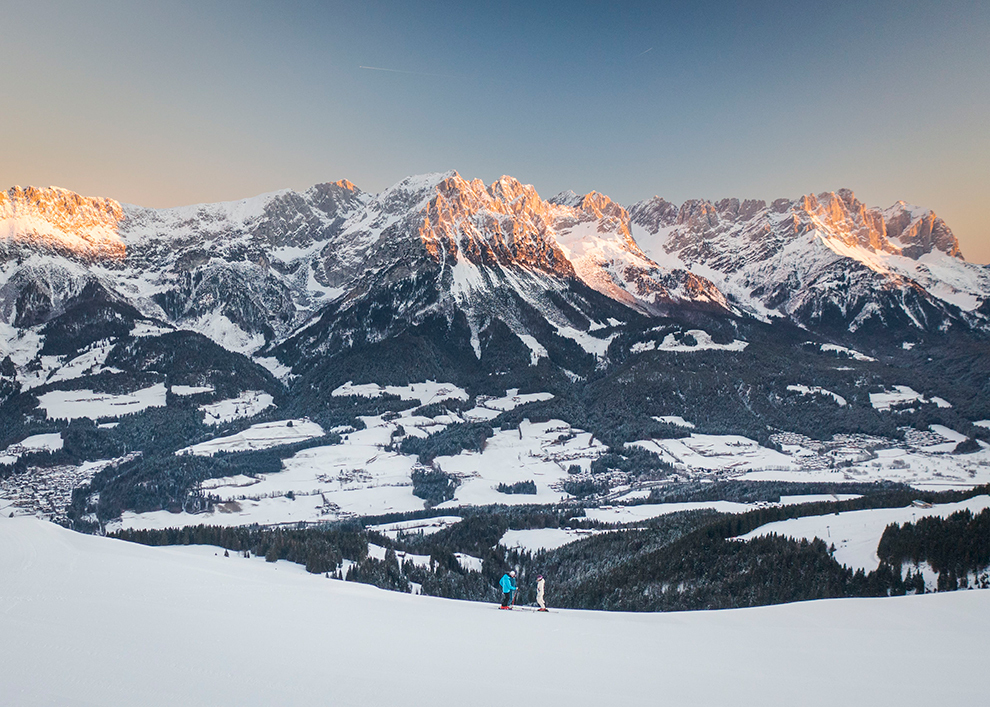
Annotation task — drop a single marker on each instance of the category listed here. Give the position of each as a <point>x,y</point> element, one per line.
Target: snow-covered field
<point>71,404</point>
<point>717,453</point>
<point>190,389</point>
<point>817,390</point>
<point>851,353</point>
<point>538,452</point>
<point>427,392</point>
<point>903,394</point>
<point>363,476</point>
<point>674,420</point>
<point>856,534</point>
<point>378,552</point>
<point>24,345</point>
<point>91,621</point>
<point>247,404</point>
<point>924,460</point>
<point>536,539</point>
<point>264,435</point>
<point>366,475</point>
<point>35,443</point>
<point>703,342</point>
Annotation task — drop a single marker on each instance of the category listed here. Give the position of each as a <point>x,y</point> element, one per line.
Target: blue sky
<point>165,104</point>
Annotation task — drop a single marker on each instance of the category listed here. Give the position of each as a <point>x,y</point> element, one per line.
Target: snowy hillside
<point>856,534</point>
<point>96,621</point>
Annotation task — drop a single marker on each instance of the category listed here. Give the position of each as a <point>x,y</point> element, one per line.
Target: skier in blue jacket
<point>508,584</point>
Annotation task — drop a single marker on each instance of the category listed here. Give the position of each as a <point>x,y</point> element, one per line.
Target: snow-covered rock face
<point>825,259</point>
<point>59,221</point>
<point>508,225</point>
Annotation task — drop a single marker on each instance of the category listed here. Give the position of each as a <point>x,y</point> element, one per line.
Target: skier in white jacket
<point>540,585</point>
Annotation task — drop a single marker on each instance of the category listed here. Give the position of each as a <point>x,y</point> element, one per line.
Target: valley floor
<point>86,620</point>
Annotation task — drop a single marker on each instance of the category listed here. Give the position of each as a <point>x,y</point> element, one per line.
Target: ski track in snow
<point>89,620</point>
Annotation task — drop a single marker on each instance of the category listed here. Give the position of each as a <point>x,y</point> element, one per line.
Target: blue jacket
<point>508,584</point>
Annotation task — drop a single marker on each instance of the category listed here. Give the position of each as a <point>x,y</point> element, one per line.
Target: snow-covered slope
<point>87,620</point>
<point>821,260</point>
<point>856,534</point>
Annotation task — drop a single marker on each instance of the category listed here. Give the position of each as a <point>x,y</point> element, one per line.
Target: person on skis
<point>508,584</point>
<point>540,586</point>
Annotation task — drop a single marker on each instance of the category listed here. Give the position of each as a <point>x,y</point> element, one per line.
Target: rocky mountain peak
<point>506,223</point>
<point>58,220</point>
<point>601,206</point>
<point>842,215</point>
<point>513,196</point>
<point>332,196</point>
<point>736,210</point>
<point>698,214</point>
<point>566,198</point>
<point>654,214</point>
<point>920,231</point>
<point>902,229</point>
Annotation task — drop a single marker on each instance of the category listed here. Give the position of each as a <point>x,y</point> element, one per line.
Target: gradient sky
<point>162,104</point>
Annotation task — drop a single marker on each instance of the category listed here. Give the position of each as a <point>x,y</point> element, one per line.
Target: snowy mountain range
<point>256,272</point>
<point>822,261</point>
<point>259,272</point>
<point>235,326</point>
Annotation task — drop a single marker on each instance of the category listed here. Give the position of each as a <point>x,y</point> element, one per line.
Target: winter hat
<point>512,573</point>
<point>539,576</point>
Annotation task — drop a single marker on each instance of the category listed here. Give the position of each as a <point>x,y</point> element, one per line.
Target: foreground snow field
<point>90,621</point>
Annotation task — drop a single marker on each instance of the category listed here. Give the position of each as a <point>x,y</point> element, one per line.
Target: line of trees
<point>687,560</point>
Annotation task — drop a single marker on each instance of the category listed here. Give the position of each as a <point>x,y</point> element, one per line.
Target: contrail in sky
<point>400,71</point>
<point>642,53</point>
